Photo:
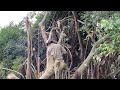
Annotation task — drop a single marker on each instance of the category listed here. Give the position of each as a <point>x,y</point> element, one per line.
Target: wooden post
<point>29,40</point>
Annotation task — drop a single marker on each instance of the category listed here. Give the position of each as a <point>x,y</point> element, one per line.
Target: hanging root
<point>59,68</point>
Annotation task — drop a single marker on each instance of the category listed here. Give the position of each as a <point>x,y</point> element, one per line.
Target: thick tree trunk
<point>84,65</point>
<point>51,69</point>
<point>29,59</point>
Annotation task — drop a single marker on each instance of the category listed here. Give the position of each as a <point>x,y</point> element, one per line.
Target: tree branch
<point>82,68</point>
<point>12,71</point>
<point>80,21</point>
<point>42,27</point>
<point>79,37</point>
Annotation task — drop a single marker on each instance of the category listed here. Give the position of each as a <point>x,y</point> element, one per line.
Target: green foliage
<point>91,18</point>
<point>105,22</point>
<point>12,41</point>
<point>39,18</point>
<point>2,74</point>
<point>112,27</point>
<point>16,62</point>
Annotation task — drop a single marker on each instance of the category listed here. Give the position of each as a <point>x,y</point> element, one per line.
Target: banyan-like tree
<point>90,38</point>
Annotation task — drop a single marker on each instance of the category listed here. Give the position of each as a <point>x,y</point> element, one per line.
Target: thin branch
<point>66,18</point>
<point>33,67</point>
<point>79,37</point>
<point>80,21</point>
<point>70,57</point>
<point>86,48</point>
<point>38,57</point>
<point>43,61</point>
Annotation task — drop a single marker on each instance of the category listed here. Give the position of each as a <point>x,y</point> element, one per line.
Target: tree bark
<point>29,39</point>
<point>84,65</point>
<point>38,57</point>
<point>79,37</point>
<point>62,35</point>
<point>42,27</point>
